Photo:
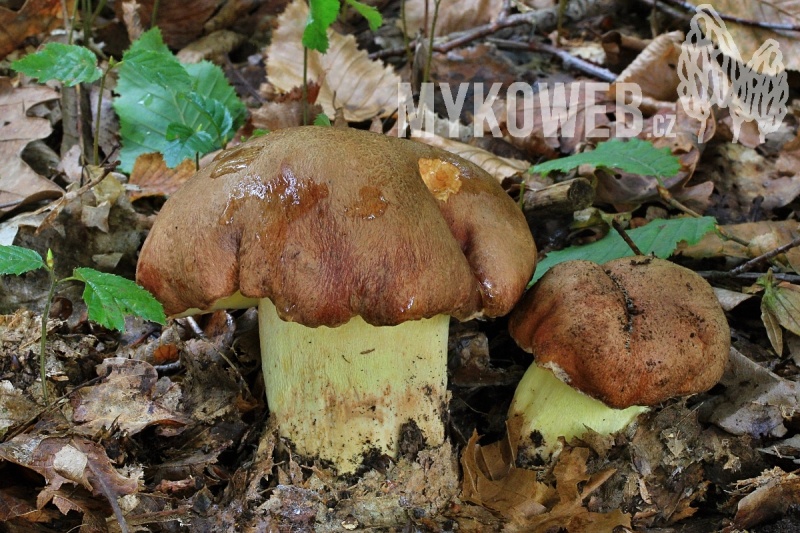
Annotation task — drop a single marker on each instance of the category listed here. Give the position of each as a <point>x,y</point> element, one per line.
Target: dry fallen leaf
<point>35,16</point>
<point>499,167</point>
<point>361,87</point>
<point>67,460</point>
<point>180,24</point>
<point>152,177</point>
<point>776,492</point>
<point>755,401</point>
<point>19,184</point>
<point>454,15</point>
<point>130,396</point>
<point>763,236</point>
<point>748,39</point>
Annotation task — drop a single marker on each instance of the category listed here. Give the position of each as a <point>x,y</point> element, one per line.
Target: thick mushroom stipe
<point>357,246</point>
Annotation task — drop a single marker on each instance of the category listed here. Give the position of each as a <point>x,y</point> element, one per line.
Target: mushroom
<point>608,341</point>
<point>357,248</point>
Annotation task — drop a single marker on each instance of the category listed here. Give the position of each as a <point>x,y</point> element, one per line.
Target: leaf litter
<point>158,429</point>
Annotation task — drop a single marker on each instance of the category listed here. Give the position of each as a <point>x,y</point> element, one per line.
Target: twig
<point>543,20</point>
<point>569,60</point>
<point>668,199</point>
<point>625,237</point>
<point>730,18</point>
<point>722,274</point>
<point>751,264</point>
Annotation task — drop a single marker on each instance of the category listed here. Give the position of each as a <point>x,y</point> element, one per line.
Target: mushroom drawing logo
<point>715,74</point>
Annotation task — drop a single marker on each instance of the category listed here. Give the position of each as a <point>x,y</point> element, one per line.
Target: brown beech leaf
<point>499,167</point>
<point>749,39</point>
<point>130,396</point>
<point>35,16</point>
<point>19,184</point>
<point>762,237</point>
<point>180,23</point>
<point>755,402</point>
<point>16,502</point>
<point>67,460</point>
<point>152,177</point>
<point>491,480</point>
<point>454,15</point>
<point>348,78</point>
<point>653,70</point>
<point>775,493</point>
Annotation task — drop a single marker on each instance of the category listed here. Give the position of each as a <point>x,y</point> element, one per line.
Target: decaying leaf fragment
<point>19,184</point>
<point>492,480</point>
<point>361,87</point>
<point>62,460</point>
<point>755,402</point>
<point>131,397</point>
<point>775,492</point>
<point>35,16</point>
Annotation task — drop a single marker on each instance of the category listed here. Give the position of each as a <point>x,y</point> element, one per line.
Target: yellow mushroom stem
<point>337,393</point>
<point>545,408</point>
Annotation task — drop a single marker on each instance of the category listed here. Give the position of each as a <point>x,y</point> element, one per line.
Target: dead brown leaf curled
<point>348,78</point>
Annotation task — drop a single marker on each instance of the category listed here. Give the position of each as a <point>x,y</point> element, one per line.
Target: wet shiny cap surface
<point>332,223</point>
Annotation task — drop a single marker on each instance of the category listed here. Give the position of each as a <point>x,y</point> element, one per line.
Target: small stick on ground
<point>625,237</point>
<point>751,264</point>
<point>559,199</point>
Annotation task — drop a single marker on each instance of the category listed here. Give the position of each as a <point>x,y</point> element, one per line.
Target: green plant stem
<point>428,60</point>
<point>43,341</point>
<point>96,141</point>
<point>154,15</point>
<point>406,42</point>
<point>305,85</point>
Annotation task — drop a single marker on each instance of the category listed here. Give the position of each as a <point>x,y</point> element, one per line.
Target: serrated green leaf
<point>634,156</point>
<point>322,120</point>
<point>186,145</point>
<point>373,16</point>
<point>109,298</point>
<point>18,260</point>
<point>201,99</point>
<point>68,63</point>
<point>321,14</point>
<point>659,237</point>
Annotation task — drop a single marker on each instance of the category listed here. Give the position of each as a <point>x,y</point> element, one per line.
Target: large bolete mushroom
<point>608,341</point>
<point>356,247</point>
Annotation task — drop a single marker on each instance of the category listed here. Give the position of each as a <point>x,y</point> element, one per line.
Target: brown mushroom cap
<point>634,331</point>
<point>333,223</point>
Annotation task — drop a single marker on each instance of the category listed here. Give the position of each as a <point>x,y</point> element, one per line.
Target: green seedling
<point>659,237</point>
<point>321,14</point>
<point>163,106</point>
<point>167,107</point>
<point>109,298</point>
<point>70,64</point>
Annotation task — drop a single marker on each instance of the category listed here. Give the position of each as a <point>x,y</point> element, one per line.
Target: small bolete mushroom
<point>608,341</point>
<point>357,248</point>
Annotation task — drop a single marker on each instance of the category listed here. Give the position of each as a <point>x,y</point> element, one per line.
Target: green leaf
<point>322,120</point>
<point>373,16</point>
<point>68,63</point>
<point>18,260</point>
<point>321,14</point>
<point>156,92</point>
<point>634,156</point>
<point>109,298</point>
<point>659,237</point>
